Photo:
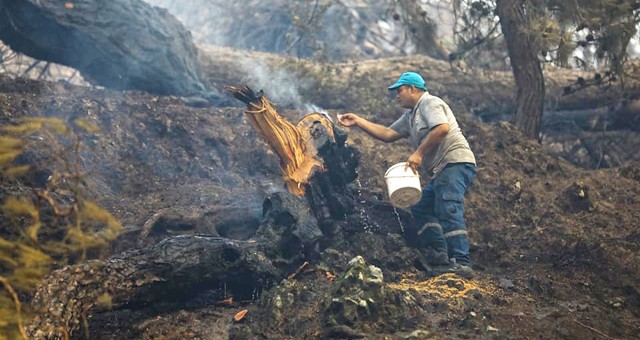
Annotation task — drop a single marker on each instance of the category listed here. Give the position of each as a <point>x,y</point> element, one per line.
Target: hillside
<point>556,246</point>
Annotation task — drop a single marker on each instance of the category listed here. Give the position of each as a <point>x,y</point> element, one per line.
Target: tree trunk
<point>422,30</point>
<point>523,53</point>
<point>170,270</point>
<point>120,44</point>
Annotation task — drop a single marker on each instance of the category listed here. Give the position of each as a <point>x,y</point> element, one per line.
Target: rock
<point>506,284</point>
<point>281,299</point>
<point>491,329</point>
<point>578,197</point>
<point>357,296</point>
<point>419,334</point>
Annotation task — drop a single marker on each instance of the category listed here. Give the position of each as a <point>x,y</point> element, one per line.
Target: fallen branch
<point>593,329</point>
<point>295,273</point>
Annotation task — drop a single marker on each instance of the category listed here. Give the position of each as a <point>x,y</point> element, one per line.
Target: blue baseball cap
<point>410,79</point>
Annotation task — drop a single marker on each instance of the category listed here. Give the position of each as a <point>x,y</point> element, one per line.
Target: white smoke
<point>281,87</point>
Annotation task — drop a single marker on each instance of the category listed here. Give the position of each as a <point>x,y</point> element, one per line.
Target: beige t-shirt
<point>429,112</point>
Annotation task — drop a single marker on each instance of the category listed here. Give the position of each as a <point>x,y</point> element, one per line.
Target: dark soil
<point>556,246</point>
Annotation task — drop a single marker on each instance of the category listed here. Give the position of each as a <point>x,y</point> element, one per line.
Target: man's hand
<point>348,119</point>
<point>374,130</point>
<point>414,162</point>
<point>428,146</point>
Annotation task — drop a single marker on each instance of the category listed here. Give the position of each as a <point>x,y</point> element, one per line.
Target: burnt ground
<point>556,246</point>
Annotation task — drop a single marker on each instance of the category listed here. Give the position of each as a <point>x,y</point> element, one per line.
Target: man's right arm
<point>374,130</point>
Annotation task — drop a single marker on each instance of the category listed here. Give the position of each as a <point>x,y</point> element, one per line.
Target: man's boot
<point>460,269</point>
<point>436,257</point>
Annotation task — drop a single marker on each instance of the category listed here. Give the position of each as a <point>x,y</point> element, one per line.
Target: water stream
<point>368,226</point>
<point>399,221</point>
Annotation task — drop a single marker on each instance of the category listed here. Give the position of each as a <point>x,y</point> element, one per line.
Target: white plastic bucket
<point>403,186</point>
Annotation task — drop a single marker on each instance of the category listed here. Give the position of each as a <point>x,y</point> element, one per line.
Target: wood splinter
<point>292,144</point>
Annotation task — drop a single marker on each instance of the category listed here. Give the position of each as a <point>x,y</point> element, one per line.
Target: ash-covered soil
<point>556,247</point>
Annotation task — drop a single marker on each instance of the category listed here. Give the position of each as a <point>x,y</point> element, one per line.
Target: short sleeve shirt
<point>429,112</point>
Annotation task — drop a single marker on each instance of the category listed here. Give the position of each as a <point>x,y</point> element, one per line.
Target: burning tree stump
<point>298,159</point>
<point>314,158</point>
<point>121,44</point>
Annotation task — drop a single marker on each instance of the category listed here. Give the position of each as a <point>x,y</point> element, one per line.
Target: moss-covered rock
<point>358,295</point>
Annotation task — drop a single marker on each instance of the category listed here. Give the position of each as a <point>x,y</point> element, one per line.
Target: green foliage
<point>601,29</point>
<point>419,27</point>
<point>606,26</point>
<point>50,228</point>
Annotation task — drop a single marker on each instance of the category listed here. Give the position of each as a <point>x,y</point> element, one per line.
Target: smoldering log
<point>120,44</point>
<point>178,269</point>
<point>625,115</point>
<point>587,120</point>
<point>168,270</point>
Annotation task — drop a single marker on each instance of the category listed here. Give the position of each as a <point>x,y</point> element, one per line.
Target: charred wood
<point>178,269</point>
<point>298,161</point>
<point>331,193</point>
<point>289,232</point>
<point>171,269</point>
<point>587,120</point>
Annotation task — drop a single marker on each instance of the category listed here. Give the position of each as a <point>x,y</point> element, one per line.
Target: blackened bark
<point>120,44</point>
<point>523,53</point>
<point>329,194</point>
<point>170,270</point>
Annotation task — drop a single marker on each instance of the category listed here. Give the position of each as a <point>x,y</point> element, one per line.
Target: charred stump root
<point>120,44</point>
<point>169,269</point>
<point>331,193</point>
<point>289,233</point>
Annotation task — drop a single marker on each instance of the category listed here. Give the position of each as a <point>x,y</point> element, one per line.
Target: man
<point>444,152</point>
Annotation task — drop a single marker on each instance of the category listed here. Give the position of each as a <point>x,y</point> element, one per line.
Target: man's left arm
<point>428,147</point>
